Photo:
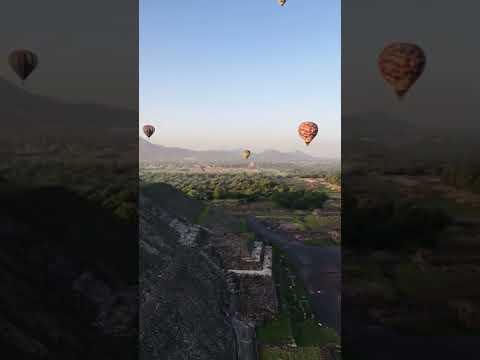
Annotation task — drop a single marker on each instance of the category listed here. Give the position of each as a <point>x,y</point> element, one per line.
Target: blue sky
<point>222,74</point>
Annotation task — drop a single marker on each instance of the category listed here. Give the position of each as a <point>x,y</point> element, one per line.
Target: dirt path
<point>246,346</point>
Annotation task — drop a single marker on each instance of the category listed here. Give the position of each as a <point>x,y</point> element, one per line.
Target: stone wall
<point>256,289</point>
<point>258,299</point>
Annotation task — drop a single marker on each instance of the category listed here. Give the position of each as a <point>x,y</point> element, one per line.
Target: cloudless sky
<point>224,74</point>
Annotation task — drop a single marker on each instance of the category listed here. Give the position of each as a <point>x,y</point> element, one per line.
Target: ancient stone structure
<point>255,287</point>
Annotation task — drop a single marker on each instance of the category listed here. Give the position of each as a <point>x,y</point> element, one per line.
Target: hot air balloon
<point>246,154</point>
<point>23,62</point>
<point>148,130</point>
<point>282,2</point>
<point>307,131</point>
<point>401,64</point>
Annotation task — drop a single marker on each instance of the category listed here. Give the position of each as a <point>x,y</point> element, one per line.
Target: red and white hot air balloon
<point>307,131</point>
<point>401,65</point>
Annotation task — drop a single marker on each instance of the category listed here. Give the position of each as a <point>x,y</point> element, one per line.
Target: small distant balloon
<point>282,2</point>
<point>23,62</point>
<point>307,131</point>
<point>246,154</point>
<point>148,130</point>
<point>401,64</point>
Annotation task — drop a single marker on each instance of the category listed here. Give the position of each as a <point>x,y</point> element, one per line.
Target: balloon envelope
<point>148,130</point>
<point>23,62</point>
<point>401,64</point>
<point>282,2</point>
<point>307,131</point>
<point>246,154</point>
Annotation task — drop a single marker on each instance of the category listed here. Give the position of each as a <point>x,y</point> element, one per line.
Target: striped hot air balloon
<point>307,131</point>
<point>23,62</point>
<point>401,64</point>
<point>148,130</point>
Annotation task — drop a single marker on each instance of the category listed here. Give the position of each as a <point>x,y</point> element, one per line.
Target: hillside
<point>69,280</point>
<point>184,297</point>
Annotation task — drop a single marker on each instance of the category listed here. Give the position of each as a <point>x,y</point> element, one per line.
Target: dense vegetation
<point>301,200</point>
<point>111,186</point>
<point>463,177</point>
<point>310,170</point>
<point>248,187</point>
<point>220,186</point>
<point>399,224</point>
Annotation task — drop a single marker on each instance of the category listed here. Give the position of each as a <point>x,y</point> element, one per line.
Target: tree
<point>218,192</point>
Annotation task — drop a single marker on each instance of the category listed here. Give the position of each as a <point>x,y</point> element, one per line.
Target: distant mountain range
<point>27,115</point>
<point>153,152</point>
<point>38,121</point>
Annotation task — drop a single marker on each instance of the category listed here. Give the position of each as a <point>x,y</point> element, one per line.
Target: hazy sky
<point>234,74</point>
<point>446,95</point>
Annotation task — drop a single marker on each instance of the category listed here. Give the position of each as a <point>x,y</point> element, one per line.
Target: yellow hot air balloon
<point>246,154</point>
<point>282,2</point>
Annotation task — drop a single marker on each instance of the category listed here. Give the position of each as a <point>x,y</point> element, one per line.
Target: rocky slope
<point>184,304</point>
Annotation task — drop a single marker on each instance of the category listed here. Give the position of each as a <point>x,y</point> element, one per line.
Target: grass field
<point>305,353</point>
<point>308,333</point>
<point>295,324</point>
<point>276,332</point>
<point>203,216</point>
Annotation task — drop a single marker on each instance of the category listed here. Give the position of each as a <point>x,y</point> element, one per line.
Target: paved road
<point>319,268</point>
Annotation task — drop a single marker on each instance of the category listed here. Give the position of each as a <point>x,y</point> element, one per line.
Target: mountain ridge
<point>154,152</point>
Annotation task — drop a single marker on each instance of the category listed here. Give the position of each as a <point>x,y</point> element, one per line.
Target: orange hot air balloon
<point>307,131</point>
<point>148,130</point>
<point>401,64</point>
<point>23,62</point>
